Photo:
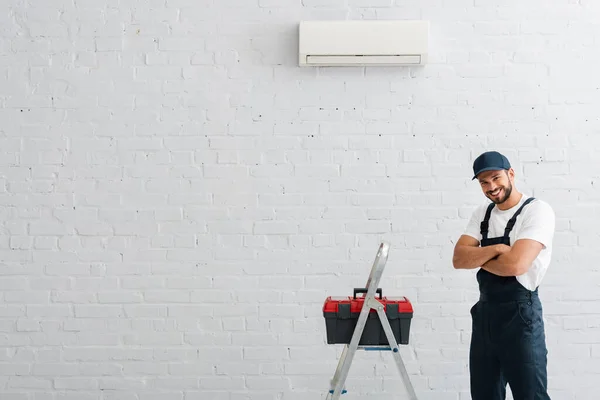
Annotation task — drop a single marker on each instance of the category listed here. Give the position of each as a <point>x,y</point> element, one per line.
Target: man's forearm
<point>469,257</point>
<point>503,265</point>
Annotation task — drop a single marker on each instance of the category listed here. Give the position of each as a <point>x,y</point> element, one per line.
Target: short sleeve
<point>538,224</point>
<point>473,228</point>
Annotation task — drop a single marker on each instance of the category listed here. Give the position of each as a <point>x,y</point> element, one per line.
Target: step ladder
<point>343,367</point>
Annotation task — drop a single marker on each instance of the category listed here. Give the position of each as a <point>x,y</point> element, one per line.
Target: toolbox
<point>341,315</point>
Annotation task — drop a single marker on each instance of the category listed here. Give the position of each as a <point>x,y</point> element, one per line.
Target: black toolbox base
<point>340,330</point>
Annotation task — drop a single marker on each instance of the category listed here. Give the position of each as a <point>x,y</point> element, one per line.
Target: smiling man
<point>510,240</point>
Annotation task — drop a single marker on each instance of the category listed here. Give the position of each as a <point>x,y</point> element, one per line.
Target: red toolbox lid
<point>332,303</point>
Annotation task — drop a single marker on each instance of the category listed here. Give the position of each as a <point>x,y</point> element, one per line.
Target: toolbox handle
<point>364,290</point>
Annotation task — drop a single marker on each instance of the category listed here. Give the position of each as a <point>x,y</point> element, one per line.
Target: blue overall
<point>508,343</point>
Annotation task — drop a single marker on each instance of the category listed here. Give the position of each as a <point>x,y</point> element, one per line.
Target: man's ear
<point>511,173</point>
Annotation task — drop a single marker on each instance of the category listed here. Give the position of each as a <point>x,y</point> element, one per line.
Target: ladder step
<point>375,348</point>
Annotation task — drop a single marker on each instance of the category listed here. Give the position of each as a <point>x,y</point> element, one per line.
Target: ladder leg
<point>396,353</point>
<point>338,370</point>
<point>348,355</point>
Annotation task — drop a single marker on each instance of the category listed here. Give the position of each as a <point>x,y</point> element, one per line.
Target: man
<point>510,241</point>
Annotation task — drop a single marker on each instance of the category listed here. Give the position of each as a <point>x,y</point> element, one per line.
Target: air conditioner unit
<point>363,43</point>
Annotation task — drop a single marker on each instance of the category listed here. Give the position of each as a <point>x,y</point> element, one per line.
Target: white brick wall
<point>178,198</point>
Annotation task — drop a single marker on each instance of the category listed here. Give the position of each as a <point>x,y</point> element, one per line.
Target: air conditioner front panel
<point>363,38</point>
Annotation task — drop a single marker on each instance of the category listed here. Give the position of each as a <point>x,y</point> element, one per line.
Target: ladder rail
<point>385,323</point>
<point>349,351</point>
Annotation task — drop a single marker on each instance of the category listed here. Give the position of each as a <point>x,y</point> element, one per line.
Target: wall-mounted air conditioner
<point>363,43</point>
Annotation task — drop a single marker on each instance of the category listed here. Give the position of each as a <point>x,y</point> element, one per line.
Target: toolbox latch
<point>344,311</point>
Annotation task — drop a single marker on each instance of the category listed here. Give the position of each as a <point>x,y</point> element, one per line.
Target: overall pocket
<point>526,312</point>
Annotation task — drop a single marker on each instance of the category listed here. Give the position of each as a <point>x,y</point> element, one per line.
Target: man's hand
<point>468,254</point>
<point>502,249</point>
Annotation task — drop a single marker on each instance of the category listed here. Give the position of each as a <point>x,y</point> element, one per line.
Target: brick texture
<point>177,197</point>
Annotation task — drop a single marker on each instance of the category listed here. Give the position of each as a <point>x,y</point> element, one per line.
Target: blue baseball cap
<point>489,161</point>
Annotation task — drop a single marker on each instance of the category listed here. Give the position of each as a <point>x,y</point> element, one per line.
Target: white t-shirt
<point>536,221</point>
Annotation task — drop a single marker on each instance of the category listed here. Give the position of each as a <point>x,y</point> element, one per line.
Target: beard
<point>505,190</point>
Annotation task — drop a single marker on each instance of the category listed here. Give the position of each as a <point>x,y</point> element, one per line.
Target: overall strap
<point>485,224</point>
<point>513,220</point>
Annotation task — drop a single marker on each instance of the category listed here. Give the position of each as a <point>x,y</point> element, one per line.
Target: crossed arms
<point>498,259</point>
